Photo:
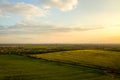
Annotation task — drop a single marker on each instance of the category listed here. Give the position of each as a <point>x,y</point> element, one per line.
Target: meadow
<point>59,62</point>
<point>106,60</point>
<point>13,67</point>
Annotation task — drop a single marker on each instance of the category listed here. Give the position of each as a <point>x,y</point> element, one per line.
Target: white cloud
<point>20,8</point>
<point>63,5</point>
<point>35,27</point>
<point>25,9</point>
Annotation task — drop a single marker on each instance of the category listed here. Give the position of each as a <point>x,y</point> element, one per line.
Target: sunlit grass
<point>13,67</point>
<point>91,58</point>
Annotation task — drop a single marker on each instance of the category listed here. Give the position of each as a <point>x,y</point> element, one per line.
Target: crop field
<point>91,58</point>
<point>59,62</point>
<point>13,67</point>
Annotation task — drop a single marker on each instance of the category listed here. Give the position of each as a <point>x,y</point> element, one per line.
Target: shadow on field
<point>24,77</point>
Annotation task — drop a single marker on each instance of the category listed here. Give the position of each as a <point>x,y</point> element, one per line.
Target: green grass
<point>90,58</point>
<point>13,67</point>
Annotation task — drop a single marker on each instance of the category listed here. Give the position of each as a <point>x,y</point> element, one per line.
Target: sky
<point>59,21</point>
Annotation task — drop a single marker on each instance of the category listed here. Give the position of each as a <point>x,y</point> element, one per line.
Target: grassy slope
<point>13,67</point>
<point>92,58</point>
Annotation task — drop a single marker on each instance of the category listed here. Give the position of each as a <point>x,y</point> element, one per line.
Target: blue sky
<point>48,19</point>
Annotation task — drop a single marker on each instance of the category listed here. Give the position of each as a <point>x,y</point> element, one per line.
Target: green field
<point>91,58</point>
<point>13,67</point>
<point>59,62</point>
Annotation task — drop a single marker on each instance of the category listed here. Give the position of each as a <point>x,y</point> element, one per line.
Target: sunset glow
<point>58,21</point>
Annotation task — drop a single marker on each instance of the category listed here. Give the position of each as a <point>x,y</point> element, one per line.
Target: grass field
<point>59,62</point>
<point>13,67</point>
<point>91,58</point>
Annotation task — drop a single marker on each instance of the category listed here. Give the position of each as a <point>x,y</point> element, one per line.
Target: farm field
<point>91,58</point>
<point>59,62</point>
<point>13,67</point>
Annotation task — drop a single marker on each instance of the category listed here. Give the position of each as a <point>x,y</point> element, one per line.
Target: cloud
<point>4,1</point>
<point>30,10</point>
<point>21,8</point>
<point>25,9</point>
<point>118,25</point>
<point>35,27</point>
<point>63,5</point>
